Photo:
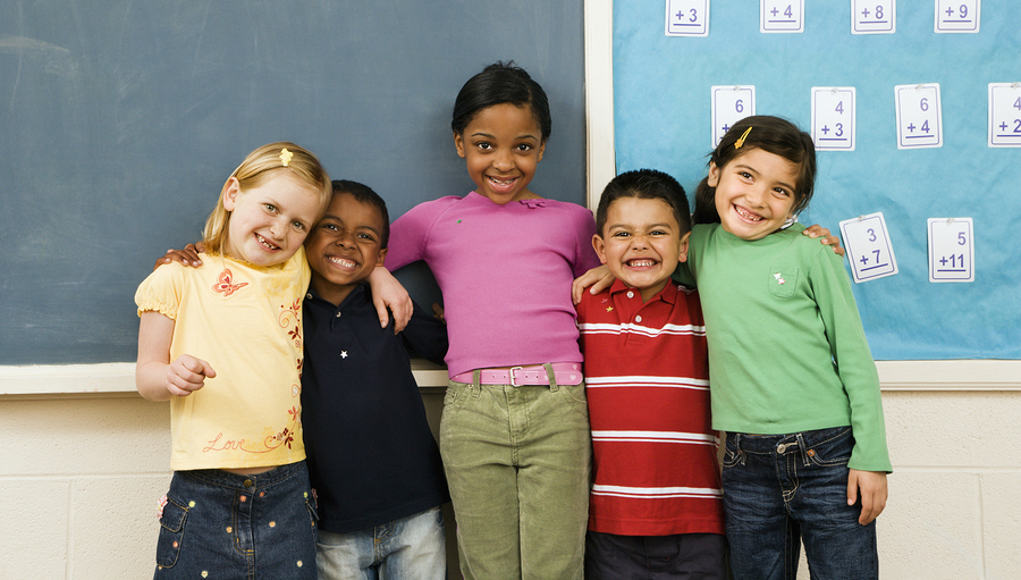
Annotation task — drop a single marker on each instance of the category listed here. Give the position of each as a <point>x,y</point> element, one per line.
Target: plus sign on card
<point>958,16</point>
<point>868,247</point>
<point>781,15</point>
<point>833,124</point>
<point>687,17</point>
<point>1005,114</point>
<point>730,104</point>
<point>919,116</point>
<point>873,16</point>
<point>951,253</point>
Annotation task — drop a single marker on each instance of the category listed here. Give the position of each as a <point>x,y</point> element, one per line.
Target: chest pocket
<point>783,280</point>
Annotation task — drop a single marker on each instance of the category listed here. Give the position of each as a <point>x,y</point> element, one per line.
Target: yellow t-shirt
<point>246,322</point>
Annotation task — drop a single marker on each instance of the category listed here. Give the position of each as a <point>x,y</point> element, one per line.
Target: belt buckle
<point>512,379</point>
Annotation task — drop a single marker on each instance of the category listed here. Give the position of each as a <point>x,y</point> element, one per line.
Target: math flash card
<point>687,17</point>
<point>730,104</point>
<point>869,251</point>
<point>951,252</point>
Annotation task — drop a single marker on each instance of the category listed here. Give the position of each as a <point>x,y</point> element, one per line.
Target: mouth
<point>746,215</point>
<point>641,263</point>
<point>342,263</point>
<point>266,244</point>
<point>501,183</point>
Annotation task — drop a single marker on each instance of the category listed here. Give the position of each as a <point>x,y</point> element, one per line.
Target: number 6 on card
<point>868,247</point>
<point>730,104</point>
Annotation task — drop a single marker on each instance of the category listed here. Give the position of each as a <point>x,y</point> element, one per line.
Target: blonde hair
<point>262,164</point>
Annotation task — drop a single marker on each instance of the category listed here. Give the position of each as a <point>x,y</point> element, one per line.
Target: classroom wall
<point>80,475</point>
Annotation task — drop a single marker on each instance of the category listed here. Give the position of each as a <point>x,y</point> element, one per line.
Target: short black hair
<point>501,83</point>
<point>364,194</point>
<point>645,184</point>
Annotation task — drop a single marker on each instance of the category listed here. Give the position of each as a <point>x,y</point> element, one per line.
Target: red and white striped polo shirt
<point>655,454</point>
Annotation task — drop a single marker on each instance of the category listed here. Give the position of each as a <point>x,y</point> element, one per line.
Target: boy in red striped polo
<point>655,508</point>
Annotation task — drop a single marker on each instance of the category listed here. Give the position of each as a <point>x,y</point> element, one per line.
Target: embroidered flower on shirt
<point>225,283</point>
<point>533,203</point>
<point>779,278</point>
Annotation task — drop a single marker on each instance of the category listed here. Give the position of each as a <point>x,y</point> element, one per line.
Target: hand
<point>438,312</point>
<point>599,278</point>
<point>873,493</point>
<point>187,374</point>
<point>817,231</point>
<point>189,256</point>
<point>388,292</point>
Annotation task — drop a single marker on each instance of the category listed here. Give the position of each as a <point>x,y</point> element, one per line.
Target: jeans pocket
<point>731,454</point>
<point>833,447</point>
<point>172,521</point>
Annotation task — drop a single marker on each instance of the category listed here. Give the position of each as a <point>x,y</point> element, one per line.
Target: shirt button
<point>248,483</point>
<point>638,318</point>
<point>309,296</point>
<point>338,315</point>
<point>630,294</point>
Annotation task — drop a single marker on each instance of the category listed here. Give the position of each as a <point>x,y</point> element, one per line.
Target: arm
<point>156,378</point>
<point>426,336</point>
<point>827,239</point>
<point>388,292</point>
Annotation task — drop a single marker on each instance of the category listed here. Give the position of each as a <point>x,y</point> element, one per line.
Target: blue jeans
<point>218,524</point>
<point>411,547</point>
<point>781,489</point>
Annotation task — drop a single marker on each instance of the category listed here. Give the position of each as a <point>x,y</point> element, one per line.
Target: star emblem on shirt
<point>343,354</point>
<point>609,308</point>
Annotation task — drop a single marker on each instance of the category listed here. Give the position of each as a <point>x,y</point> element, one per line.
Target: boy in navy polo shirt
<point>373,460</point>
<point>655,508</point>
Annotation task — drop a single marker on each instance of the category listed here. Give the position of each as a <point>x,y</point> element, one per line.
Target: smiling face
<point>755,193</point>
<point>641,243</point>
<point>344,247</point>
<point>269,222</point>
<point>501,146</point>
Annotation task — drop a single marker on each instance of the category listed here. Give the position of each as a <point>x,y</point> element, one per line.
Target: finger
<point>852,488</point>
<point>868,509</point>
<point>381,311</point>
<point>207,369</point>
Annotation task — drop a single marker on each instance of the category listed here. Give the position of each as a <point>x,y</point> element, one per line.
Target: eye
<point>330,227</point>
<point>657,233</point>
<point>484,145</point>
<point>781,192</point>
<point>269,207</point>
<point>622,234</point>
<point>525,147</point>
<point>744,174</point>
<point>366,237</point>
<point>298,225</point>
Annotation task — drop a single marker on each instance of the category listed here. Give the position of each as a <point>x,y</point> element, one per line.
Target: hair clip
<point>285,156</point>
<point>740,141</point>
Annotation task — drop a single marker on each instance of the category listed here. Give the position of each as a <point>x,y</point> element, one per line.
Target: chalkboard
<point>121,120</point>
<point>662,111</point>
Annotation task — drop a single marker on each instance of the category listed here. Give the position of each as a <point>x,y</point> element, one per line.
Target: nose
<point>639,241</point>
<point>277,228</point>
<point>756,196</point>
<point>503,160</point>
<point>345,239</point>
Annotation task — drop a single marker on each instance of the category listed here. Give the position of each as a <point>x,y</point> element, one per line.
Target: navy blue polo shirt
<point>370,452</point>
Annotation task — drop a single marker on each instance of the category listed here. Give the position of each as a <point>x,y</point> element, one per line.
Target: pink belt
<point>565,374</point>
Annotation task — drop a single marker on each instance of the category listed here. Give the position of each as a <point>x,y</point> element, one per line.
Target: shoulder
<point>433,207</point>
<point>590,305</point>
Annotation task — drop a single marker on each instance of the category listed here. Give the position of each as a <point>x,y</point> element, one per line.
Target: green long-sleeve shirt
<point>787,351</point>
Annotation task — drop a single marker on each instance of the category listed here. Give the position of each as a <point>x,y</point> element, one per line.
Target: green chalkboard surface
<point>120,121</point>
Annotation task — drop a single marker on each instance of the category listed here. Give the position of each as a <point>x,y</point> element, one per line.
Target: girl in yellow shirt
<point>223,343</point>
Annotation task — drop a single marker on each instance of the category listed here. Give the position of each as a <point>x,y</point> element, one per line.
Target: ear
<point>600,247</point>
<point>380,257</point>
<point>459,144</point>
<point>683,246</point>
<point>713,178</point>
<point>231,191</point>
<point>542,149</point>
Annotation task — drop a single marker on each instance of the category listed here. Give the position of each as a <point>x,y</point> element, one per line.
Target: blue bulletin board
<point>662,117</point>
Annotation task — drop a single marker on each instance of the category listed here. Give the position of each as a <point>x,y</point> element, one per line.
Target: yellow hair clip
<point>285,156</point>
<point>740,141</point>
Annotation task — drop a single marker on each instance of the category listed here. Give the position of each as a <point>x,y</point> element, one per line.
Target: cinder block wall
<point>80,476</point>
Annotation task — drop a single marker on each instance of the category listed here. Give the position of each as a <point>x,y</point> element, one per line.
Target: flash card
<point>730,104</point>
<point>951,253</point>
<point>919,116</point>
<point>833,124</point>
<point>958,16</point>
<point>1005,114</point>
<point>873,16</point>
<point>868,247</point>
<point>781,16</point>
<point>687,17</point>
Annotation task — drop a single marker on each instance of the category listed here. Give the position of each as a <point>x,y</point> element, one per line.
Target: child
<point>514,434</point>
<point>372,459</point>
<point>223,343</point>
<point>656,507</point>
<point>374,463</point>
<point>793,382</point>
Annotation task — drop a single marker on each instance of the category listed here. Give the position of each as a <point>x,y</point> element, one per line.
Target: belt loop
<point>552,375</point>
<point>476,382</point>
<point>737,442</point>
<point>802,449</point>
